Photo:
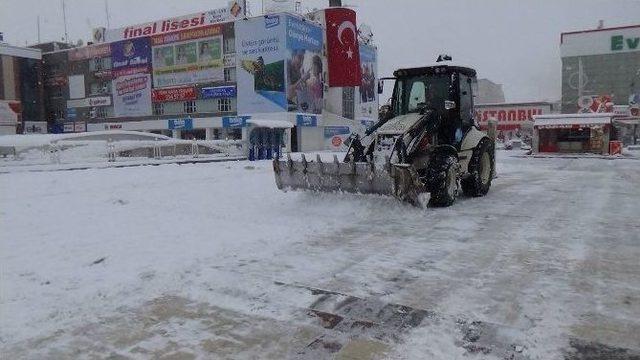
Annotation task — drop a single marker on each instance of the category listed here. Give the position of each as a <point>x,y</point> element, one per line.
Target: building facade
<point>601,69</point>
<point>21,90</point>
<point>214,75</point>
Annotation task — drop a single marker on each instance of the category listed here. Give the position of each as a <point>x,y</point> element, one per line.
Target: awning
<point>627,120</point>
<point>568,121</point>
<point>271,124</point>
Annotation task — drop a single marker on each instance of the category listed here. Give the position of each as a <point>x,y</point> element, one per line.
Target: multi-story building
<point>601,69</point>
<point>216,75</point>
<point>21,91</point>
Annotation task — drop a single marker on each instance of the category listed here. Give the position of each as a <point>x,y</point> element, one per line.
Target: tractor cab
<point>443,93</point>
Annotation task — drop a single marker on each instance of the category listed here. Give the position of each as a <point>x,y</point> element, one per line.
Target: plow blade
<point>398,180</point>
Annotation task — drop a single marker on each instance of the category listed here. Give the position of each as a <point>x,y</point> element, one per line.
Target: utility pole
<point>64,18</point>
<point>38,29</point>
<point>106,11</point>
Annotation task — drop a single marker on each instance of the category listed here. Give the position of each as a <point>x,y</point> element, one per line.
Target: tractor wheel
<point>442,175</point>
<point>481,170</point>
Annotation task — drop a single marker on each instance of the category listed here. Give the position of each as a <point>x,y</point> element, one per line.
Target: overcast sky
<point>512,42</point>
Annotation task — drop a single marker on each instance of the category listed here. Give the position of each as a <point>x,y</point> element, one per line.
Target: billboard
<point>234,10</point>
<point>218,92</point>
<point>132,94</point>
<point>131,53</point>
<point>305,83</point>
<point>188,57</point>
<point>261,51</point>
<point>600,42</point>
<point>174,94</point>
<point>368,94</point>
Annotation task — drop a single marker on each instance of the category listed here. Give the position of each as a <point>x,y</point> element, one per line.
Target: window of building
<point>158,109</point>
<point>224,105</point>
<point>229,45</point>
<point>98,64</point>
<point>101,112</point>
<point>56,92</point>
<point>190,107</point>
<point>348,102</point>
<point>101,88</point>
<point>230,74</point>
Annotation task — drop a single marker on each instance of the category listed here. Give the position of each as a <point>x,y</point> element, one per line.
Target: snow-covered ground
<point>212,261</point>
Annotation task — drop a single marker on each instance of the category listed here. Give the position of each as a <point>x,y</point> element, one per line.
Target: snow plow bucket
<point>400,180</point>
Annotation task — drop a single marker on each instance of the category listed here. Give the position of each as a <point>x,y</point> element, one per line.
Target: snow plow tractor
<point>425,142</point>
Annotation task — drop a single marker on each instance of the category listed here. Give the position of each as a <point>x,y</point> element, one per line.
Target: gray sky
<point>513,42</point>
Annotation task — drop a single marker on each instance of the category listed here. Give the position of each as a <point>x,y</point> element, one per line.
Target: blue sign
<point>271,21</point>
<point>331,131</point>
<point>307,120</point>
<point>72,113</point>
<point>303,35</point>
<point>218,92</point>
<point>131,53</point>
<point>235,121</point>
<point>181,124</point>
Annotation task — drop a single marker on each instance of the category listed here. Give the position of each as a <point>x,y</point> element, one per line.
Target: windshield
<point>415,93</point>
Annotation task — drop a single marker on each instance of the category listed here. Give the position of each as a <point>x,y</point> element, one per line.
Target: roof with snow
<point>561,120</point>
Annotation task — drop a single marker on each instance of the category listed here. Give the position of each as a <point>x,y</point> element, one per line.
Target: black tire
<point>442,177</point>
<point>481,169</point>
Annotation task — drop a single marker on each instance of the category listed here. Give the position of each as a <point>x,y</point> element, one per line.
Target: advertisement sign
<point>235,121</point>
<point>335,136</point>
<point>132,95</point>
<point>188,57</point>
<point>218,92</point>
<point>234,10</point>
<point>306,120</point>
<point>342,47</point>
<point>368,100</point>
<point>180,124</point>
<point>88,102</point>
<point>174,94</point>
<point>261,52</point>
<point>72,113</point>
<point>89,52</point>
<point>68,127</point>
<point>510,116</point>
<point>595,104</point>
<point>80,127</point>
<point>599,42</point>
<point>305,85</point>
<point>130,53</point>
<point>35,127</point>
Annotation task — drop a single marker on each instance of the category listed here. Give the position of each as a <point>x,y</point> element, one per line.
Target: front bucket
<point>400,181</point>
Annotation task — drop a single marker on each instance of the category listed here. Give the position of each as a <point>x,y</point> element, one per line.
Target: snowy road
<point>211,261</point>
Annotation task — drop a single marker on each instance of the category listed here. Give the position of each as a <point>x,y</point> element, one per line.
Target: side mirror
<point>449,105</point>
<point>384,112</point>
<point>380,87</point>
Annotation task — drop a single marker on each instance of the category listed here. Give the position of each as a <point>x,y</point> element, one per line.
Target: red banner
<point>343,49</point>
<point>174,94</point>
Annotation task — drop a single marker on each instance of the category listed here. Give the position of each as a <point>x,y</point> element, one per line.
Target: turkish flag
<point>342,46</point>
